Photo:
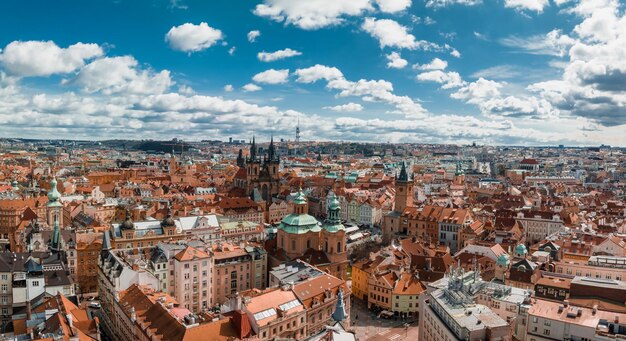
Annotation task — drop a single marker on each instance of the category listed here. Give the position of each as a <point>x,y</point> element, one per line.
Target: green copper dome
<point>503,260</point>
<point>53,195</point>
<point>520,250</point>
<point>300,198</point>
<point>333,219</point>
<point>299,223</point>
<point>334,203</point>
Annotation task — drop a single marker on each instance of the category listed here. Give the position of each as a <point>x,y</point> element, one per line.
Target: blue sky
<point>530,72</point>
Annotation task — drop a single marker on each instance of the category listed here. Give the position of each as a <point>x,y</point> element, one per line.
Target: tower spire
<point>340,309</point>
<point>253,149</point>
<point>403,174</point>
<point>272,151</point>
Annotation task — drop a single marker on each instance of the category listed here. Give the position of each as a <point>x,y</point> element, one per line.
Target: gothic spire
<point>240,160</point>
<point>272,151</point>
<point>403,174</point>
<point>253,150</point>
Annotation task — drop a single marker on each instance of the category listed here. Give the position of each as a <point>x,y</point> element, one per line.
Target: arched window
<point>338,246</point>
<point>326,246</point>
<point>308,243</point>
<point>293,244</point>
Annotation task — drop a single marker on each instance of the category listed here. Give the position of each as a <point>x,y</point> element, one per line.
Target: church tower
<point>54,207</point>
<point>404,190</point>
<point>55,242</point>
<point>273,161</point>
<point>241,162</point>
<point>253,164</point>
<point>459,175</point>
<point>502,266</point>
<point>334,239</point>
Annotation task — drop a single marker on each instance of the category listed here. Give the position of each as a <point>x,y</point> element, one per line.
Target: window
<point>35,283</point>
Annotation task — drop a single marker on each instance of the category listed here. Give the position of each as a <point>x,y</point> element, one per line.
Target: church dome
<point>503,260</point>
<point>520,250</point>
<point>300,198</point>
<point>53,194</point>
<point>334,203</point>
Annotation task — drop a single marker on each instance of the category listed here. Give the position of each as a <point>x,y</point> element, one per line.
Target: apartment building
<point>117,271</point>
<point>550,320</point>
<point>192,275</point>
<point>237,268</point>
<point>538,225</point>
<point>240,231</point>
<point>319,296</point>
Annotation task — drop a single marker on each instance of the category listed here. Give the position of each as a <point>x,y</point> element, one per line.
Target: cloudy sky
<point>523,72</point>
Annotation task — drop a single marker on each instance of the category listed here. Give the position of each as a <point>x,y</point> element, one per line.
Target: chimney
<point>565,303</point>
<point>429,264</point>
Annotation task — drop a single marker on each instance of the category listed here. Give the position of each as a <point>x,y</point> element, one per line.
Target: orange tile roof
<point>190,253</point>
<point>408,284</point>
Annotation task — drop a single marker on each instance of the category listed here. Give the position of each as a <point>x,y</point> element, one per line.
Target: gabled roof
<point>190,253</point>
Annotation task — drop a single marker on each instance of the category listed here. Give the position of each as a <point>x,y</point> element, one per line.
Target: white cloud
<point>314,73</point>
<point>45,58</point>
<point>252,35</point>
<point>280,54</point>
<point>272,76</point>
<point>446,3</point>
<point>393,6</point>
<point>396,61</point>
<point>377,91</point>
<point>455,53</point>
<point>390,33</point>
<point>250,87</point>
<point>228,88</point>
<point>513,106</point>
<point>311,14</point>
<point>231,51</point>
<point>113,75</point>
<point>530,5</point>
<point>435,64</point>
<point>480,89</point>
<point>499,72</point>
<point>186,90</point>
<point>448,79</point>
<point>418,20</point>
<point>349,107</point>
<point>554,43</point>
<point>193,38</point>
